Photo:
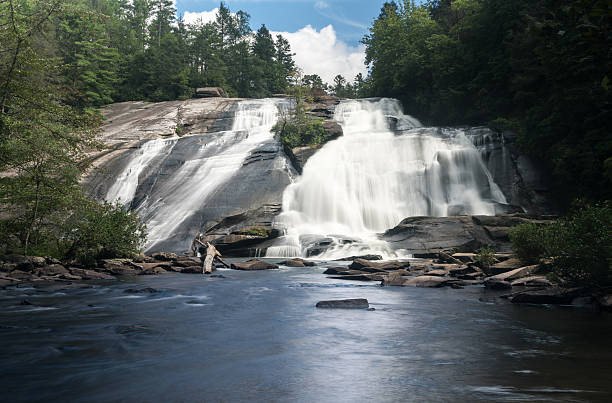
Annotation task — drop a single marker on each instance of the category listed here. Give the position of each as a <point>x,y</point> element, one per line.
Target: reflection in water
<point>258,336</point>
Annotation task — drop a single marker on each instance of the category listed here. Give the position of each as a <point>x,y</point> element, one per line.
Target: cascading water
<point>216,159</point>
<point>371,178</point>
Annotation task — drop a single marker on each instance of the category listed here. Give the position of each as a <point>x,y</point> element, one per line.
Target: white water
<point>215,161</point>
<point>370,179</point>
<point>124,188</point>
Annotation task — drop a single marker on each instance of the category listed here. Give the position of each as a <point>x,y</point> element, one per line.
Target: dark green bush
<point>301,132</point>
<point>485,256</point>
<point>102,231</point>
<point>580,245</point>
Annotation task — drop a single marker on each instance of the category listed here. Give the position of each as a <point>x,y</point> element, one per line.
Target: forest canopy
<point>541,68</point>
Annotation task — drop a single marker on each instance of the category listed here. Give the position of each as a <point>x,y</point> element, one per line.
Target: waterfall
<point>124,187</point>
<point>213,159</point>
<point>385,167</point>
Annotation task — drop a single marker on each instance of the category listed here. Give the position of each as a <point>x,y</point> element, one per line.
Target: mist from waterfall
<point>216,159</point>
<point>372,177</point>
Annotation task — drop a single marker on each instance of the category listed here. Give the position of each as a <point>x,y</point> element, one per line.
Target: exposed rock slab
<point>253,264</point>
<point>355,303</point>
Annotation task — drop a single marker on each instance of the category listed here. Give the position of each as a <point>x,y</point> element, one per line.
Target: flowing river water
<point>257,336</point>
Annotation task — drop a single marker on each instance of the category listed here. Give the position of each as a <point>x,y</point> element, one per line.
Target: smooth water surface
<point>257,336</point>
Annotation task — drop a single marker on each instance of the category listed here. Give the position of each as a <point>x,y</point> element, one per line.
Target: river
<point>257,336</point>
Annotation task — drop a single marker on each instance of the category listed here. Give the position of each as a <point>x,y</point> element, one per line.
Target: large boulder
<point>551,295</point>
<point>210,92</point>
<point>393,279</point>
<point>362,264</point>
<point>253,264</point>
<point>297,262</point>
<point>355,303</point>
<point>427,281</point>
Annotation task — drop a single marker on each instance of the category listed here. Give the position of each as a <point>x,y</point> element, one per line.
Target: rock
<point>51,270</point>
<point>183,262</point>
<point>152,271</point>
<point>217,276</point>
<point>147,290</point>
<point>121,270</point>
<point>438,272</point>
<point>364,257</point>
<point>297,262</point>
<point>551,295</point>
<point>19,275</point>
<point>25,302</point>
<point>505,266</point>
<point>360,277</point>
<point>514,274</point>
<point>333,129</point>
<point>426,281</point>
<point>532,281</point>
<point>460,270</point>
<point>210,92</point>
<point>465,257</point>
<point>38,261</point>
<point>497,284</point>
<point>90,274</point>
<point>189,270</point>
<point>72,277</point>
<point>163,265</point>
<point>605,302</point>
<point>253,264</point>
<point>393,279</point>
<point>446,258</point>
<point>337,270</point>
<point>6,267</point>
<point>355,303</point>
<point>361,264</point>
<point>165,256</point>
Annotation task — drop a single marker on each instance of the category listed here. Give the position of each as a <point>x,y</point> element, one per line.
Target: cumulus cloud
<point>191,17</point>
<point>322,53</point>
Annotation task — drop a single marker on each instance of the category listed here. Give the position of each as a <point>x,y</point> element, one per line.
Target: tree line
<point>59,61</point>
<point>540,68</point>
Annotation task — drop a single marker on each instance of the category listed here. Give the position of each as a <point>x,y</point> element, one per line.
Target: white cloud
<point>320,52</point>
<point>191,17</point>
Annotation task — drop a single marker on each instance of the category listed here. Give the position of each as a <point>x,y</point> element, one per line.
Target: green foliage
<point>256,231</point>
<point>540,68</point>
<point>580,245</point>
<point>485,256</point>
<point>101,231</point>
<point>298,128</point>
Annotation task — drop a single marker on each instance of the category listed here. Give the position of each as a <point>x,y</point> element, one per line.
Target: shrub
<point>101,231</point>
<point>485,256</point>
<point>301,132</point>
<point>580,245</point>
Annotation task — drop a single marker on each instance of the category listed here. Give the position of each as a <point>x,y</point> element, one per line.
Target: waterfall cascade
<point>216,159</point>
<point>385,168</point>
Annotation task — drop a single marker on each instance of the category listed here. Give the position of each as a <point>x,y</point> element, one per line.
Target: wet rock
<point>165,256</point>
<point>19,275</point>
<point>446,258</point>
<point>514,274</point>
<point>551,295</point>
<point>121,270</point>
<point>71,277</point>
<point>438,272</point>
<point>465,257</point>
<point>426,281</point>
<point>361,264</point>
<point>532,281</point>
<point>355,303</point>
<point>497,284</point>
<point>505,266</point>
<point>360,277</point>
<point>364,257</point>
<point>393,279</point>
<point>336,270</point>
<point>152,271</point>
<point>297,262</point>
<point>183,263</point>
<point>253,264</point>
<point>189,270</point>
<point>605,302</point>
<point>51,270</point>
<point>147,290</point>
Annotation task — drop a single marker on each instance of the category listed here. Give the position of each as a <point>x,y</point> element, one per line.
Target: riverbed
<point>257,336</point>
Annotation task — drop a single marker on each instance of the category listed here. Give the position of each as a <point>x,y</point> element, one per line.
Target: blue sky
<point>324,34</point>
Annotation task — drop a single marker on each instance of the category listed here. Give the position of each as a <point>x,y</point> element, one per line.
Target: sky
<point>324,34</point>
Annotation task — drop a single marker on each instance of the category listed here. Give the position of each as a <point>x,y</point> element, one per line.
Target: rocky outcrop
<point>297,262</point>
<point>253,264</point>
<point>426,235</point>
<point>210,92</point>
<point>355,303</point>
